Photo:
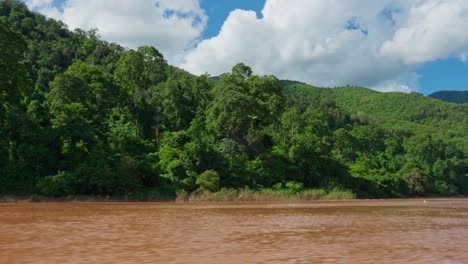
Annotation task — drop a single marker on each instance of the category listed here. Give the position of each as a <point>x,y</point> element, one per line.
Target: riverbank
<point>267,195</point>
<point>222,196</point>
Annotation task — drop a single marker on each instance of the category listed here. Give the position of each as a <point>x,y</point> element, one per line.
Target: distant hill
<point>215,78</point>
<point>459,97</point>
<point>394,110</point>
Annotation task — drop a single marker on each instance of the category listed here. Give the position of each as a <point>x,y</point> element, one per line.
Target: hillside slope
<point>459,97</point>
<point>394,110</point>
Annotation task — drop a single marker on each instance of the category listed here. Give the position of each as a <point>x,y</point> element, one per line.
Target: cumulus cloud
<point>377,44</point>
<point>338,42</point>
<point>39,3</point>
<point>434,30</point>
<point>172,26</point>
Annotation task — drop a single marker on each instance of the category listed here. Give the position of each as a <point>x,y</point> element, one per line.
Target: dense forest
<point>81,116</point>
<point>459,97</point>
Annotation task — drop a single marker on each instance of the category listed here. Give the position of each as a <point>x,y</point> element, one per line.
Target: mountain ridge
<point>459,97</point>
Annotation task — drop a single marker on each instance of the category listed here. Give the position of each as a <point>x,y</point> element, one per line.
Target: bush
<point>208,181</point>
<point>417,182</point>
<point>57,185</point>
<point>444,189</point>
<point>294,186</point>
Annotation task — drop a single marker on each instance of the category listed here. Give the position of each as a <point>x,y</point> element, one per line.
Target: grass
<point>246,195</point>
<point>267,195</point>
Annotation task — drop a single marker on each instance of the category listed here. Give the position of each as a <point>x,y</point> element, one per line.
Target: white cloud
<point>172,26</point>
<point>405,82</point>
<point>39,3</point>
<point>435,29</point>
<point>371,43</point>
<point>338,42</point>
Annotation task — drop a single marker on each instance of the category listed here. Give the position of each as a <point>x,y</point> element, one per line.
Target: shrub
<point>57,185</point>
<point>294,186</point>
<point>208,181</point>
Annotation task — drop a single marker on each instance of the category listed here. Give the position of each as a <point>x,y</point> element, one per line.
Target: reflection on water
<point>393,231</point>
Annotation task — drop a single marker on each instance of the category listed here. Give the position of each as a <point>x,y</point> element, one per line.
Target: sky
<point>386,45</point>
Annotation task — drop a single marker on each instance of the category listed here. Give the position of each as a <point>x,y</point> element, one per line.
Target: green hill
<point>414,112</point>
<point>459,97</point>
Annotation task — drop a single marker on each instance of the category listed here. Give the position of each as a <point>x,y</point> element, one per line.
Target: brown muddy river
<point>386,231</point>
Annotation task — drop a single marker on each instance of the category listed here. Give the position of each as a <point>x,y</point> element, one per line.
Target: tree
<point>241,71</point>
<point>13,74</point>
<point>14,84</point>
<point>137,72</point>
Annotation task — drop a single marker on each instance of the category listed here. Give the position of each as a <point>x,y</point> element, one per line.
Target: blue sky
<point>218,11</point>
<point>448,74</point>
<point>387,45</point>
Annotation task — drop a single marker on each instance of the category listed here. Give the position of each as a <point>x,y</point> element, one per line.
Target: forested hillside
<point>413,112</point>
<point>80,116</point>
<point>459,97</point>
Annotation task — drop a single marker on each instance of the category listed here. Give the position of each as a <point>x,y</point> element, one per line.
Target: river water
<point>374,231</point>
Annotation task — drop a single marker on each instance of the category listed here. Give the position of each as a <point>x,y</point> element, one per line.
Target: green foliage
<point>80,116</point>
<point>208,181</point>
<point>246,194</point>
<point>413,112</point>
<point>13,74</point>
<point>294,186</point>
<point>57,185</point>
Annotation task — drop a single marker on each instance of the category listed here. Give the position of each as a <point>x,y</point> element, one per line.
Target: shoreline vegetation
<point>226,195</point>
<point>82,118</point>
<point>267,195</point>
<point>223,195</point>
